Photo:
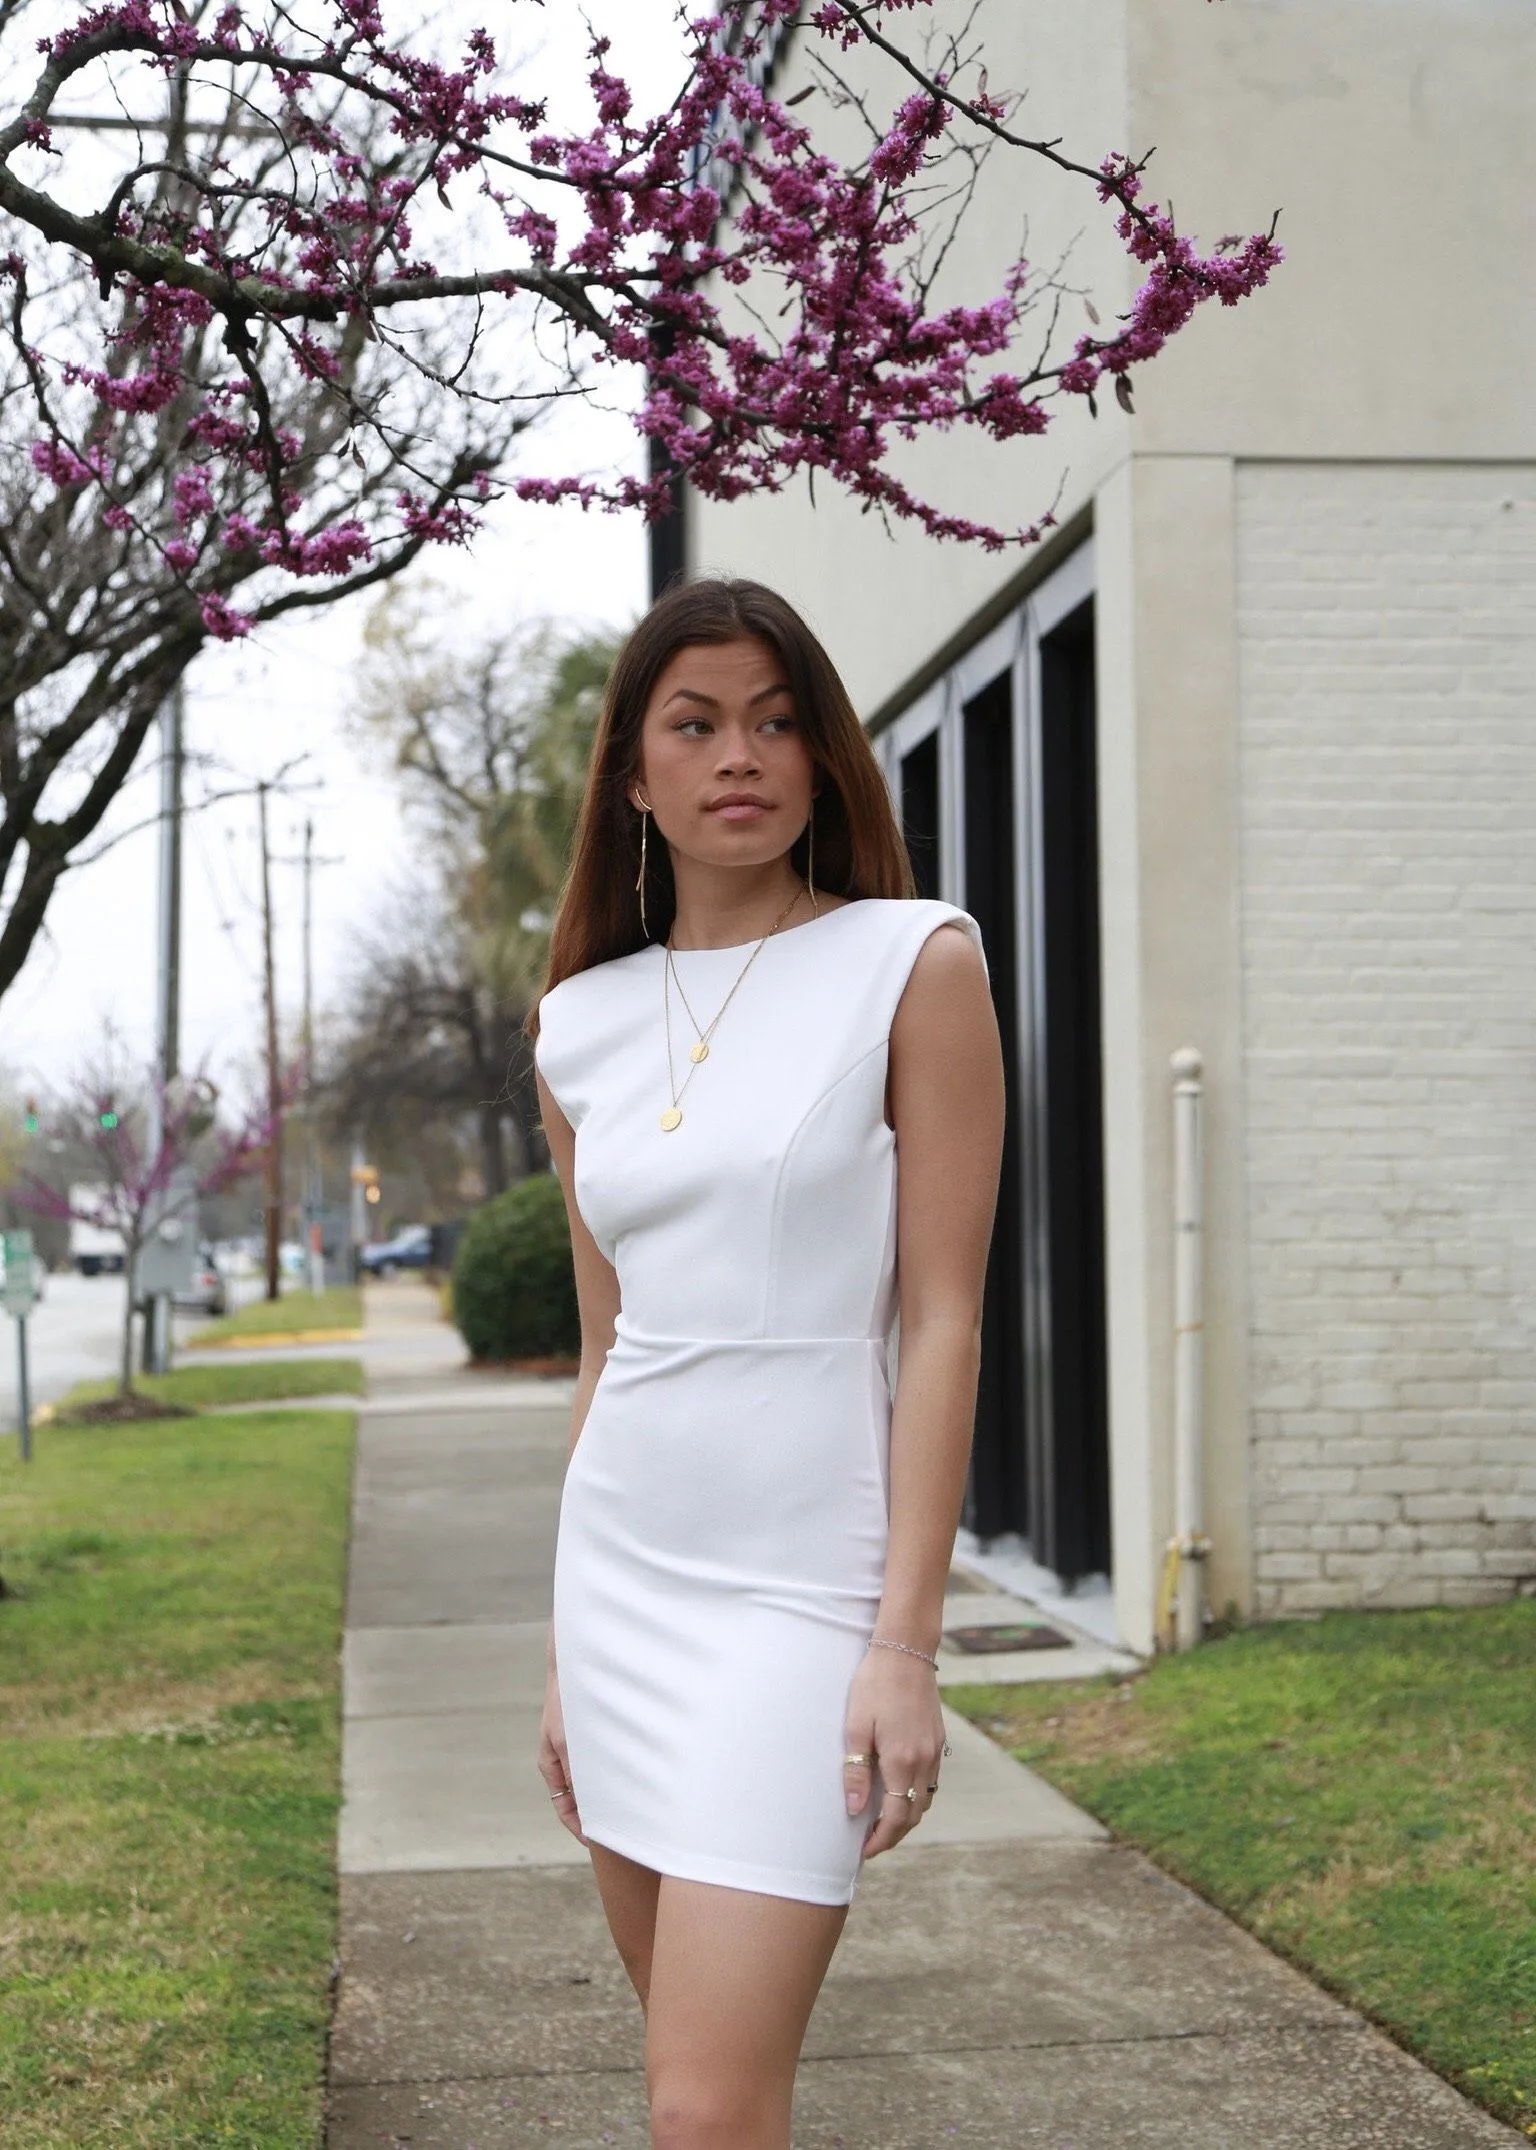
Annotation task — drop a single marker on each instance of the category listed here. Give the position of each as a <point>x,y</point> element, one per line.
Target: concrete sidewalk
<point>1010,1977</point>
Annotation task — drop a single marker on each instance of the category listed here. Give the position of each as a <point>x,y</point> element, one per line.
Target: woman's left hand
<point>895,1721</point>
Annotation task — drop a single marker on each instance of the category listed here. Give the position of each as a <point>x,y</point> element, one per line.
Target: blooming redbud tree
<point>265,347</point>
<point>153,1149</point>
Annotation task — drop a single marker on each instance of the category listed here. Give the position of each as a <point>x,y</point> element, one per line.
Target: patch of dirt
<point>121,1411</point>
<point>102,1709</point>
<point>546,1366</point>
<point>1093,1727</point>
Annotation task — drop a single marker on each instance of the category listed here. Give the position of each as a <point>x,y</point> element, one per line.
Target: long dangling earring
<point>645,816</point>
<point>810,845</point>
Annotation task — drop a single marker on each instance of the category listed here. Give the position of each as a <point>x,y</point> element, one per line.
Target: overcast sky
<point>283,694</point>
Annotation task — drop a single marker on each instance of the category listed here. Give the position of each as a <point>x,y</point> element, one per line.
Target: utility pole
<point>314,1252</point>
<point>156,1354</point>
<point>157,1305</point>
<point>314,1188</point>
<point>172,764</point>
<point>309,998</point>
<point>274,1203</point>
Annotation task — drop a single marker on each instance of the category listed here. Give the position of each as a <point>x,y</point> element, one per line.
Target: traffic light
<point>30,1120</point>
<point>107,1118</point>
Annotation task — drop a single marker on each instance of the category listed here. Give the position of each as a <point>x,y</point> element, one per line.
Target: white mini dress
<point>723,1523</point>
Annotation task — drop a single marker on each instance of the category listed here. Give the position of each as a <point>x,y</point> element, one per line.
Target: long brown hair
<point>859,847</point>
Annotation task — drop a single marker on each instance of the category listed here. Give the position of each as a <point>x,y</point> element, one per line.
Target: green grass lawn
<point>168,1780</point>
<point>208,1387</point>
<point>339,1308</point>
<point>1360,1791</point>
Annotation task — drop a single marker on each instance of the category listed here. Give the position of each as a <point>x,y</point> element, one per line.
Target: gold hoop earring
<point>645,817</point>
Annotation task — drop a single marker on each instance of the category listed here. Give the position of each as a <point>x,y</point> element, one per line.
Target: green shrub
<point>514,1290</point>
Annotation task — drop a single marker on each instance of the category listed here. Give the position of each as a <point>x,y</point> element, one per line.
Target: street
<point>75,1334</point>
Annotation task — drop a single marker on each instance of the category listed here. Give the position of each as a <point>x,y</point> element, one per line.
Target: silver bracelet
<point>878,1642</point>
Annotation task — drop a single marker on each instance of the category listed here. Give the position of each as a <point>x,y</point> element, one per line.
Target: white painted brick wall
<point>1387,628</point>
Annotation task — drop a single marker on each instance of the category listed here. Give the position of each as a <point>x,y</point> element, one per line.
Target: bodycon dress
<point>723,1523</point>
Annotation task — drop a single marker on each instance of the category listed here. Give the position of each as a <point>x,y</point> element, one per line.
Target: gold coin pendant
<point>699,1051</point>
<point>671,1118</point>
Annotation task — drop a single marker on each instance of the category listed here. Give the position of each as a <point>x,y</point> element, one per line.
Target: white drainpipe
<point>1189,1546</point>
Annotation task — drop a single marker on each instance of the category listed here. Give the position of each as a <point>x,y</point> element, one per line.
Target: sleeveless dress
<point>722,1533</point>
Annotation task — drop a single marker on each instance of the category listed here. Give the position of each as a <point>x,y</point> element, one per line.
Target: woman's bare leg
<point>733,1978</point>
<point>629,1896</point>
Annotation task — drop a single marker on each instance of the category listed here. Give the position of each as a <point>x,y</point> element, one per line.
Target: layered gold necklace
<point>698,1052</point>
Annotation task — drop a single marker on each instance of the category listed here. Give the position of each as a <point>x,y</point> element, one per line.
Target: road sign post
<point>23,1400</point>
<point>18,1295</point>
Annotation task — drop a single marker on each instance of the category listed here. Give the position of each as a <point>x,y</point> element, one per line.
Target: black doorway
<point>1040,1462</point>
<point>996,1497</point>
<point>919,801</point>
<point>1068,1451</point>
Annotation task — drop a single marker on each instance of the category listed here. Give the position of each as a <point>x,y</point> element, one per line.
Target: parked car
<point>409,1249</point>
<point>207,1293</point>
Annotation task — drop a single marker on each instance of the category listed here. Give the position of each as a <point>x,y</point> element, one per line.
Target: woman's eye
<point>687,724</point>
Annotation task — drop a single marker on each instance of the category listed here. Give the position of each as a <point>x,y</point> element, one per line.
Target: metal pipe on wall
<point>1190,1542</point>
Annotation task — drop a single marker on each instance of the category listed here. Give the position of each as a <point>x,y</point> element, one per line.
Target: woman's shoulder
<point>583,1019</point>
<point>876,957</point>
<point>907,921</point>
<point>579,986</point>
<point>901,913</point>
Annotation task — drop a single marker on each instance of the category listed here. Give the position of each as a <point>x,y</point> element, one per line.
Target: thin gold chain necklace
<point>699,1052</point>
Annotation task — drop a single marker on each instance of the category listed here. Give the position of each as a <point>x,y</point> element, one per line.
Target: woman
<point>748,1017</point>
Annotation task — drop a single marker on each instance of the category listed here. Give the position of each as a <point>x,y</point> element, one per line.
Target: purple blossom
<point>55,460</point>
<point>221,619</point>
<point>194,494</point>
<point>637,268</point>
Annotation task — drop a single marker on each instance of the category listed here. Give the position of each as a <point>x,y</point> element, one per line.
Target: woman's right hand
<point>554,1767</point>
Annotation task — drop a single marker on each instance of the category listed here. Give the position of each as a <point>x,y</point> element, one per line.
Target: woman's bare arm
<point>946,1098</point>
<point>945,1091</point>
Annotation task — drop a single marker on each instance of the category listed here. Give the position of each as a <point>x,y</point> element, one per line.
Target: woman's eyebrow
<point>695,694</point>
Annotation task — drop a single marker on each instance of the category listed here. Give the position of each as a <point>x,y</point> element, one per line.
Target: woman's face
<point>721,724</point>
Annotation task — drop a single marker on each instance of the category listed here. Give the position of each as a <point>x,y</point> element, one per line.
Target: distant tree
<point>489,737</point>
<point>528,842</point>
<point>152,1150</point>
<point>13,1143</point>
<point>423,1039</point>
<point>28,1150</point>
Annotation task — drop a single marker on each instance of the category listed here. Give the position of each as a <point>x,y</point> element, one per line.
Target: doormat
<point>993,1641</point>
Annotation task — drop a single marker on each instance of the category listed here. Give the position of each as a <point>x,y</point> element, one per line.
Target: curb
<point>275,1339</point>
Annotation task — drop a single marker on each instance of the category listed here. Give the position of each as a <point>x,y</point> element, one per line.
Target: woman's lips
<point>739,812</point>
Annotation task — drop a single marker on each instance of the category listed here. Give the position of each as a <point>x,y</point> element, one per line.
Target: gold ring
<point>856,1761</point>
